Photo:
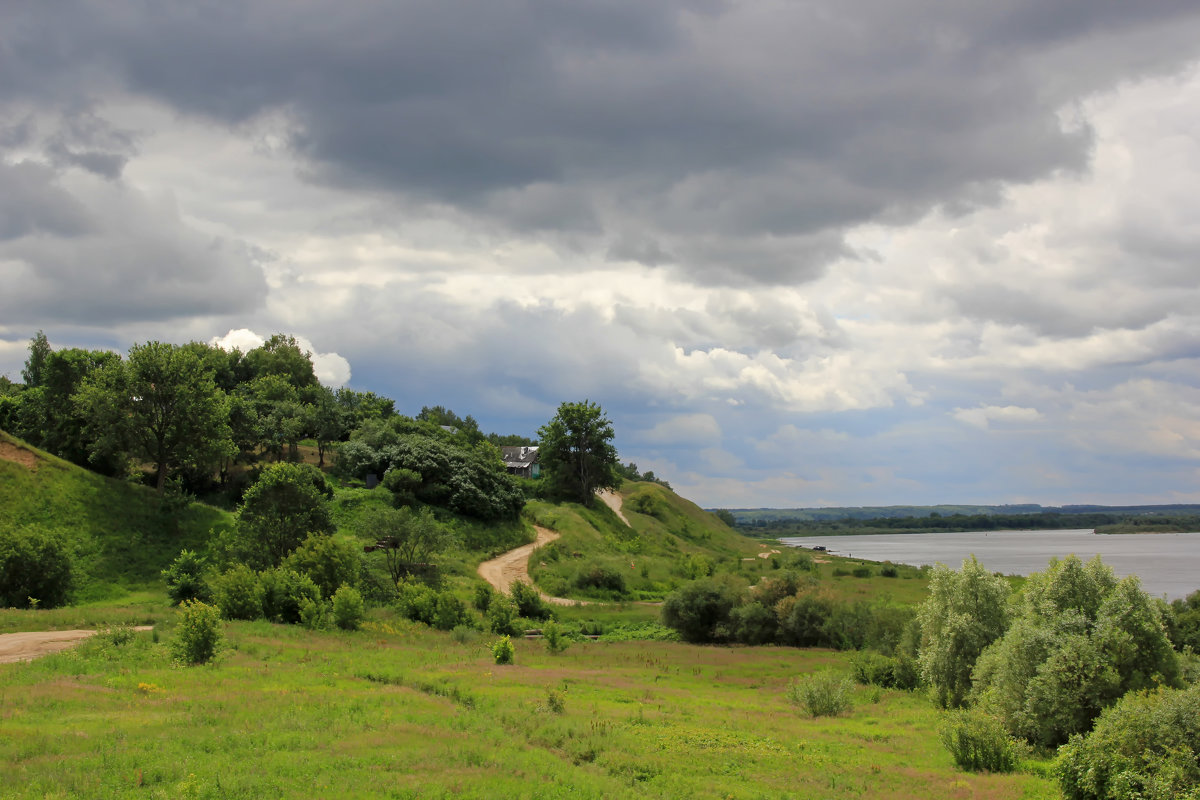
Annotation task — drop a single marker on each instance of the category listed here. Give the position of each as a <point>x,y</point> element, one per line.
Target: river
<point>1167,563</point>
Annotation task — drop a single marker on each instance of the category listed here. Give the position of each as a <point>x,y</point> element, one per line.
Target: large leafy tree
<point>159,405</point>
<point>576,451</point>
<point>408,539</point>
<point>279,511</point>
<point>966,611</point>
<point>1081,640</point>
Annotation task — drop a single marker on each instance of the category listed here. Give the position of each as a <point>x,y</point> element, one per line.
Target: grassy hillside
<point>402,711</point>
<point>668,540</point>
<point>122,534</point>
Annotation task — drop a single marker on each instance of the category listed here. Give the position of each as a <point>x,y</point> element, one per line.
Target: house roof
<point>519,456</point>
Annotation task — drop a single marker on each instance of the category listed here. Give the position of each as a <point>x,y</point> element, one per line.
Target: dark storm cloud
<point>655,121</point>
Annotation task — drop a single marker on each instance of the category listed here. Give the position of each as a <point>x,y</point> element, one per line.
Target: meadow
<point>399,710</point>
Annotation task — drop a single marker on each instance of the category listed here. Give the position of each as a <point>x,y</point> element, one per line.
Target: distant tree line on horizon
<point>936,522</point>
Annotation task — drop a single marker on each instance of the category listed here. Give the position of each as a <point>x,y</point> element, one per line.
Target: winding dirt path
<point>505,569</point>
<point>613,501</point>
<point>28,646</point>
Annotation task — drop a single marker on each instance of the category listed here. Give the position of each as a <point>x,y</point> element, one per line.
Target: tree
<point>576,451</point>
<point>966,611</point>
<point>39,350</point>
<point>285,505</point>
<point>160,405</point>
<point>1081,640</point>
<point>406,538</point>
<point>281,355</point>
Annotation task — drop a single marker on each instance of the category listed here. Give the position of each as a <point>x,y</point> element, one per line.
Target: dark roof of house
<point>519,456</point>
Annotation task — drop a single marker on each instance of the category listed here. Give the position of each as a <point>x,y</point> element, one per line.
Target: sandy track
<point>613,501</point>
<point>503,570</point>
<point>28,646</point>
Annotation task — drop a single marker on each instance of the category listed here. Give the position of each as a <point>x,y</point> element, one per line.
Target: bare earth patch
<point>613,501</point>
<point>18,455</point>
<point>28,646</point>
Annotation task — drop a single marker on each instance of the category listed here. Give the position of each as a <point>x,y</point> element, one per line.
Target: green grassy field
<point>403,711</point>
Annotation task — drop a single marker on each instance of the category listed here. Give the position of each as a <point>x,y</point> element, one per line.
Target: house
<point>521,461</point>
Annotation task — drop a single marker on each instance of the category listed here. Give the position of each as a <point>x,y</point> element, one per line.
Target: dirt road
<point>28,646</point>
<point>503,570</point>
<point>613,501</point>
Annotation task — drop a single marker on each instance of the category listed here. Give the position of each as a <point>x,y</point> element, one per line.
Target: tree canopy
<point>576,451</point>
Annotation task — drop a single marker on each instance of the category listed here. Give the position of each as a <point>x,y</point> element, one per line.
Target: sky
<point>863,252</point>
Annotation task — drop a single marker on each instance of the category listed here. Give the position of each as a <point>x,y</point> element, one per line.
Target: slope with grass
<point>121,534</point>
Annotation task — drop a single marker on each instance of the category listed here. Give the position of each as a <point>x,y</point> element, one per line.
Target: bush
<point>888,570</point>
<point>284,592</point>
<point>464,634</point>
<point>862,572</point>
<point>501,616</point>
<point>825,694</point>
<point>483,596</point>
<point>347,608</point>
<point>888,672</point>
<point>421,603</point>
<point>328,560</point>
<point>35,569</point>
<point>556,642</point>
<point>315,614</point>
<point>1146,746</point>
<point>600,576</point>
<point>978,742</point>
<point>198,633</point>
<point>753,623</point>
<point>701,610</point>
<point>529,601</point>
<point>449,612</point>
<point>238,594</point>
<point>185,578</point>
<point>503,652</point>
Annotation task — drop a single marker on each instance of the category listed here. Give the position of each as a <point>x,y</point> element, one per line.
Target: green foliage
<point>529,601</point>
<point>286,504</point>
<point>35,569</point>
<point>1082,640</point>
<point>601,577</point>
<point>330,561</point>
<point>501,616</point>
<point>238,593</point>
<point>576,451</point>
<point>160,405</point>
<point>978,742</point>
<point>701,610</point>
<point>556,640</point>
<point>1146,746</point>
<point>348,608</point>
<point>408,539</point>
<point>483,596</point>
<point>285,593</point>
<point>198,633</point>
<point>824,694</point>
<point>185,578</point>
<point>966,611</point>
<point>887,672</point>
<point>1186,622</point>
<point>422,603</point>
<point>503,651</point>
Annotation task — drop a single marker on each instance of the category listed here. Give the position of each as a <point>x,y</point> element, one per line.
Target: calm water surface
<point>1167,563</point>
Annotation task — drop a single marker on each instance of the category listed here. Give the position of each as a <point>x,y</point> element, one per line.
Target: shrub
<point>238,594</point>
<point>753,623</point>
<point>862,572</point>
<point>198,633</point>
<point>417,602</point>
<point>483,596</point>
<point>449,612</point>
<point>555,702</point>
<point>701,610</point>
<point>464,634</point>
<point>600,576</point>
<point>284,592</point>
<point>529,601</point>
<point>314,614</point>
<point>825,694</point>
<point>503,651</point>
<point>556,642</point>
<point>501,616</point>
<point>1146,746</point>
<point>35,570</point>
<point>328,560</point>
<point>347,608</point>
<point>978,742</point>
<point>888,570</point>
<point>185,578</point>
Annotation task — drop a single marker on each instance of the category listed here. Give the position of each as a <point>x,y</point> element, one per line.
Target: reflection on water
<point>1167,563</point>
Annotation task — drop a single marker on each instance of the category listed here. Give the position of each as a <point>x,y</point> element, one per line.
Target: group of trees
<point>188,410</point>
